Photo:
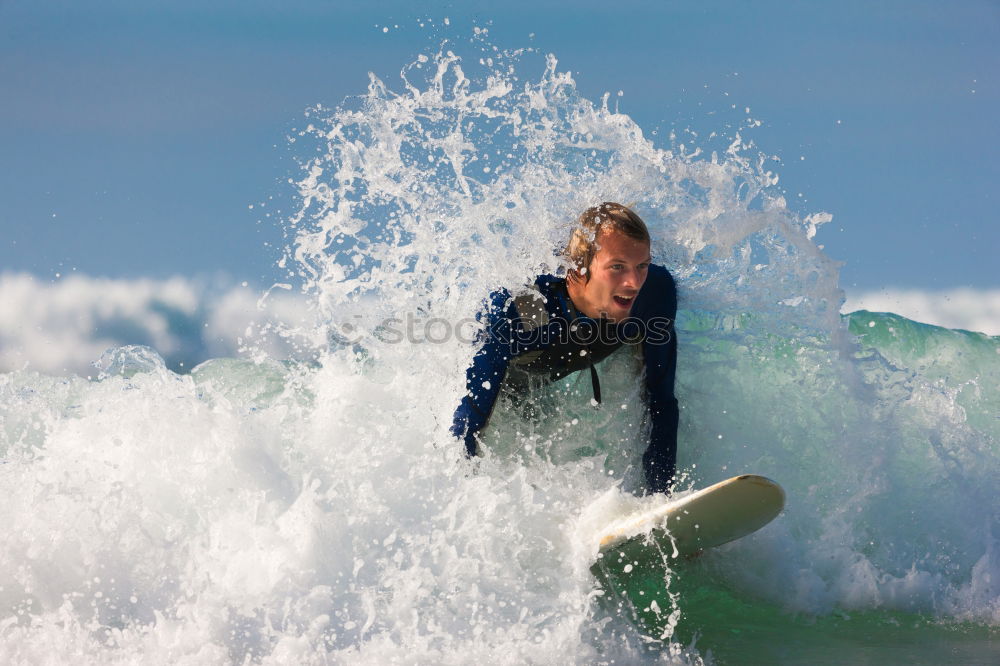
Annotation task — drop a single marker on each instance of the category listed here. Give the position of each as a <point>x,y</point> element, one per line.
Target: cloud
<point>62,327</point>
<point>965,308</point>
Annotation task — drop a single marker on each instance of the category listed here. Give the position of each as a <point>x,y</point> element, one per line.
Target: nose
<point>632,279</point>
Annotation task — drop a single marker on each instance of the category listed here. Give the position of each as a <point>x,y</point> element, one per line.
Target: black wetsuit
<point>542,333</point>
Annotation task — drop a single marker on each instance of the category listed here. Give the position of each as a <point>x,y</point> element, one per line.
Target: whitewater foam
<point>278,512</point>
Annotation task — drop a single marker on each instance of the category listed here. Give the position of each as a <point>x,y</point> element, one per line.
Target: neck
<point>574,289</point>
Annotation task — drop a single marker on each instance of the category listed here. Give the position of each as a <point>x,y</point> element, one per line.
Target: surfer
<point>612,295</point>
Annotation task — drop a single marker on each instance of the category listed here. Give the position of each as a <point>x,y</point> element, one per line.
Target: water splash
<point>258,511</point>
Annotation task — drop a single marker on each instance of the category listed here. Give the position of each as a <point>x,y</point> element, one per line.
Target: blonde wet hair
<point>604,218</point>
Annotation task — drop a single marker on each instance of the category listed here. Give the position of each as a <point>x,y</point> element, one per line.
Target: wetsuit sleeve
<point>489,366</point>
<point>660,353</point>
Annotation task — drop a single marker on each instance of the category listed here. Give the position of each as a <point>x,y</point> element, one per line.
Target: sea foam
<point>261,510</point>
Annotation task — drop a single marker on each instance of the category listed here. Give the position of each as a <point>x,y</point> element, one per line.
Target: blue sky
<point>134,136</point>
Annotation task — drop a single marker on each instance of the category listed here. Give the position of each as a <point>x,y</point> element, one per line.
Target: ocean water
<point>316,511</point>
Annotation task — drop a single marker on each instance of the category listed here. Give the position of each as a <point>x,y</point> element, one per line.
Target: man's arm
<point>660,353</point>
<point>484,376</point>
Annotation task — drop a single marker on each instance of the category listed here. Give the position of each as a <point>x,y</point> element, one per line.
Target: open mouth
<point>623,302</point>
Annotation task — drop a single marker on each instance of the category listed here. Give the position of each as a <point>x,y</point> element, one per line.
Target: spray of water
<point>258,511</point>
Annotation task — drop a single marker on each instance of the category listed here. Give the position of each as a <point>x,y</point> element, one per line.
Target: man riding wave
<point>613,295</point>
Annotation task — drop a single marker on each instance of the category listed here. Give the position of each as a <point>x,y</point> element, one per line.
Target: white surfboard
<point>710,517</point>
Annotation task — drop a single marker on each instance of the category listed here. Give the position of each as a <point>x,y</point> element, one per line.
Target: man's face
<point>617,273</point>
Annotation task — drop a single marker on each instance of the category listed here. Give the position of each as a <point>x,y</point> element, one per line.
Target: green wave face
<point>885,436</point>
<point>695,607</point>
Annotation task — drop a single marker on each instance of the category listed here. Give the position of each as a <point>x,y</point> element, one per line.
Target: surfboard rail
<point>710,517</point>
